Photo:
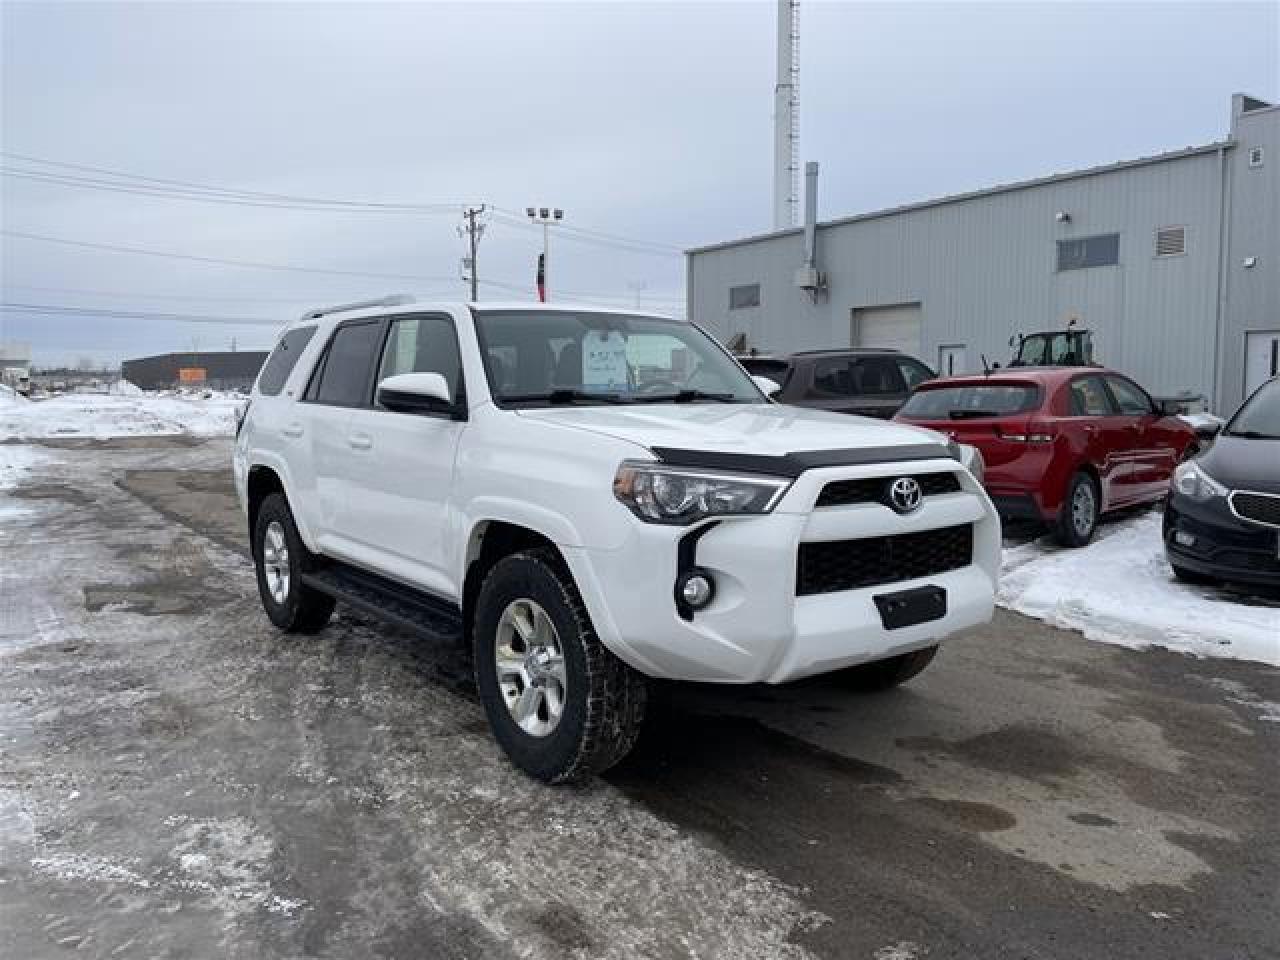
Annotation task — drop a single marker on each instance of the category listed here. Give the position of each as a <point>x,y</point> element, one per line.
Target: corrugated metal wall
<point>1253,293</point>
<point>985,268</point>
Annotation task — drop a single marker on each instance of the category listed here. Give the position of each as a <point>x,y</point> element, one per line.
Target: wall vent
<point>1171,241</point>
<point>1255,156</point>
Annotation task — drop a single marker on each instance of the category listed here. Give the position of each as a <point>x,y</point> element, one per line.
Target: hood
<point>757,428</point>
<point>1241,463</point>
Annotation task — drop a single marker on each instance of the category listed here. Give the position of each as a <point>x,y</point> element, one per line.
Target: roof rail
<point>392,300</point>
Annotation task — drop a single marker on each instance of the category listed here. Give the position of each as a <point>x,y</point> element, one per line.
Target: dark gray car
<point>873,383</point>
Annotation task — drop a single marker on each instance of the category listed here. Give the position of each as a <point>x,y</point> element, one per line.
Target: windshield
<point>543,357</point>
<point>975,400</point>
<point>1260,415</point>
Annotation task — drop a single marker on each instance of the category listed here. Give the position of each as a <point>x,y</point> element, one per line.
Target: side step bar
<point>413,610</point>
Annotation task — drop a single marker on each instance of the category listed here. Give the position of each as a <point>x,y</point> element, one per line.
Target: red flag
<point>542,278</point>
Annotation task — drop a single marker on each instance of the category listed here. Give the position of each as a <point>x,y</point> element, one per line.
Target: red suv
<point>1062,445</point>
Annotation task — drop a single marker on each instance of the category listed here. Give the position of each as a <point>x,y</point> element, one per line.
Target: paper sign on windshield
<point>604,361</point>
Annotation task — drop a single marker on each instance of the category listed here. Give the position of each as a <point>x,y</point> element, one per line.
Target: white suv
<point>592,497</point>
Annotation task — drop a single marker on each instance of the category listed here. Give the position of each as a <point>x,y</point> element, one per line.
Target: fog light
<point>696,589</point>
<point>1184,539</point>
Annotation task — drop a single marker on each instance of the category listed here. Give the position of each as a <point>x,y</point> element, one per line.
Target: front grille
<point>838,493</point>
<point>1258,507</point>
<point>850,564</point>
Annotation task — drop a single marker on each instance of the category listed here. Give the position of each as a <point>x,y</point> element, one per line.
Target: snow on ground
<point>122,415</point>
<point>1120,589</point>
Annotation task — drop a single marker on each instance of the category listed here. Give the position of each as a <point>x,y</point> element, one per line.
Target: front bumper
<point>1221,544</point>
<point>756,629</point>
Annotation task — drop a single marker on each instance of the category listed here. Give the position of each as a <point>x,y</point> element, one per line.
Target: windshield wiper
<point>687,396</point>
<point>1253,435</point>
<point>970,414</point>
<point>565,397</point>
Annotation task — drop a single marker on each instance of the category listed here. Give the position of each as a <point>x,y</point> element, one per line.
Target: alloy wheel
<point>275,561</point>
<point>530,667</point>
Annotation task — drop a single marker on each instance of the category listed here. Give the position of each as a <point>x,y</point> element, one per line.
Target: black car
<point>874,383</point>
<point>1222,519</point>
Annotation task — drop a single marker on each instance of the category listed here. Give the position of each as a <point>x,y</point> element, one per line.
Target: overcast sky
<point>643,120</point>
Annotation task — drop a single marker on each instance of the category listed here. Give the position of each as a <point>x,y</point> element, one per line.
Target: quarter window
<point>832,378</point>
<point>422,345</point>
<point>282,360</point>
<point>1083,252</point>
<point>348,365</point>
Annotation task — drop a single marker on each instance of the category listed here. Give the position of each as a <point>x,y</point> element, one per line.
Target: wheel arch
<point>488,541</point>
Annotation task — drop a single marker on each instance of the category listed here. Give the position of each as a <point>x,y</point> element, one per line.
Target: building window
<point>744,296</point>
<point>1171,241</point>
<point>1083,252</point>
<point>1255,156</point>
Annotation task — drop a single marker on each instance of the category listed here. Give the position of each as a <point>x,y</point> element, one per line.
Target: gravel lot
<point>179,780</point>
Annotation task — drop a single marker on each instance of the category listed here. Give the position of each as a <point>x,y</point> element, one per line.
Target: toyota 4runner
<point>590,498</point>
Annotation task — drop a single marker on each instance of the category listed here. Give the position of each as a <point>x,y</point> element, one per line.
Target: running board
<point>410,609</point>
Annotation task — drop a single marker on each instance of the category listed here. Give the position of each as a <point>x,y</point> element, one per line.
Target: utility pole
<point>473,230</point>
<point>545,216</point>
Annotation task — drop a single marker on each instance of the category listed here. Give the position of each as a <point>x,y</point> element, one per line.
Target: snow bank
<point>123,388</point>
<point>1121,590</point>
<point>102,416</point>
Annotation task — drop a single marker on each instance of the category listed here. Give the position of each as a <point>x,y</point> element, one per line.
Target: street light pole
<point>545,216</point>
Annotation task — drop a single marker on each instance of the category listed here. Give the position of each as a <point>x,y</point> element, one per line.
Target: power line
<point>50,309</point>
<point>164,188</point>
<point>290,268</point>
<point>136,295</point>
<point>253,264</point>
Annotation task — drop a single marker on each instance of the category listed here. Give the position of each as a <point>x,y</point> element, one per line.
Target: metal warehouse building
<point>1173,261</point>
<point>224,370</point>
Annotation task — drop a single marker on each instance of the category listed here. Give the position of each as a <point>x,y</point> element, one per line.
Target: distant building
<point>1173,261</point>
<point>223,370</point>
<point>15,353</point>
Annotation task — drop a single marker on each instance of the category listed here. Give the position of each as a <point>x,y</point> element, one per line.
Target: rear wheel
<point>888,673</point>
<point>559,703</point>
<point>1078,515</point>
<point>280,557</point>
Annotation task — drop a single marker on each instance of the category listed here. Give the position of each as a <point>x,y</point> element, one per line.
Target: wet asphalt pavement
<point>179,780</point>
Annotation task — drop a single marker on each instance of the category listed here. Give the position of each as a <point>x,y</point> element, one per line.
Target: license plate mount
<point>906,608</point>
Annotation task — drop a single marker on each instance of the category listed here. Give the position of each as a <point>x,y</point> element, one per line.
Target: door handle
<point>293,430</point>
<point>360,441</point>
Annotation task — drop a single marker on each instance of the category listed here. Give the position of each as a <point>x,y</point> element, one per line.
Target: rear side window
<point>1089,398</point>
<point>344,378</point>
<point>1130,398</point>
<point>422,345</point>
<point>876,376</point>
<point>832,378</point>
<point>973,400</point>
<point>913,372</point>
<point>282,360</point>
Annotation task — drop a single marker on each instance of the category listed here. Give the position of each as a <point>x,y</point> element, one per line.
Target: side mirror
<point>767,386</point>
<point>416,393</point>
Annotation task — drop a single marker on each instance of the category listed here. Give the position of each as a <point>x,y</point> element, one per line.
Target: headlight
<point>1190,480</point>
<point>657,493</point>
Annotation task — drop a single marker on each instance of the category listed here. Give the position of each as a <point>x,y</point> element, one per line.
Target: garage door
<point>896,327</point>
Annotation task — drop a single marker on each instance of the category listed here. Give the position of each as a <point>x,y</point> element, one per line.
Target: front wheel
<point>559,703</point>
<point>1078,515</point>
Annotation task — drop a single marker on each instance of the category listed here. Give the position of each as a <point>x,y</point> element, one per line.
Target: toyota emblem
<point>905,495</point>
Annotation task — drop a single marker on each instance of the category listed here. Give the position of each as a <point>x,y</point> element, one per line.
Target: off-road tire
<point>1065,529</point>
<point>304,610</point>
<point>604,703</point>
<point>888,673</point>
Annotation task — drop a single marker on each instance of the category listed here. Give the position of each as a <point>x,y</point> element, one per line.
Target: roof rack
<point>392,300</point>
